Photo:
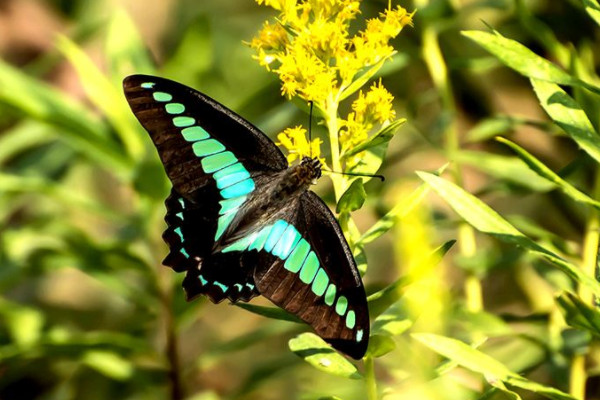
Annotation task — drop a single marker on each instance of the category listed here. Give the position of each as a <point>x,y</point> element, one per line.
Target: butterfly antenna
<point>310,128</point>
<point>381,177</point>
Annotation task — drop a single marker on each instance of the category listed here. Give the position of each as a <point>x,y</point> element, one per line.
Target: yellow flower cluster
<point>312,51</point>
<point>295,142</point>
<point>317,59</point>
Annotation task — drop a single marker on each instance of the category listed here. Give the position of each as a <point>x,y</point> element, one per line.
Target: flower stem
<point>339,182</point>
<point>370,380</point>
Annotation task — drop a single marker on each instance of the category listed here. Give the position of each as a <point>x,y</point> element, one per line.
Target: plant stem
<point>370,380</point>
<point>436,65</point>
<point>339,182</point>
<point>578,376</point>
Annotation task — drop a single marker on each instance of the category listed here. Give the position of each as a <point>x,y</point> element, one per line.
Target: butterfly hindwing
<point>305,266</point>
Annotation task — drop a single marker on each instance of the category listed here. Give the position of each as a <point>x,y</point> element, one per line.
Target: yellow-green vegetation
<point>479,252</point>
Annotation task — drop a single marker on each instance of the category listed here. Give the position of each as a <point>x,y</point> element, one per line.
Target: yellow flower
<point>376,105</point>
<point>297,146</point>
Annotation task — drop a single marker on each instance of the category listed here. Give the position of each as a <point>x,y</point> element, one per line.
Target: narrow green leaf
<point>579,314</point>
<point>270,312</point>
<point>567,114</point>
<point>353,198</point>
<point>125,50</point>
<point>492,369</point>
<point>75,124</point>
<point>362,80</point>
<point>491,127</point>
<point>486,220</point>
<point>105,96</point>
<point>322,356</point>
<point>518,57</point>
<point>510,169</point>
<point>593,9</point>
<point>393,322</point>
<point>383,136</point>
<point>542,170</point>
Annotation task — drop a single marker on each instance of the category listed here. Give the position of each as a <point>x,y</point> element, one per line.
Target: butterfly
<point>241,222</point>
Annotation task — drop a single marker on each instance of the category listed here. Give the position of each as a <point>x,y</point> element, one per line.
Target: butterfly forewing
<point>218,162</point>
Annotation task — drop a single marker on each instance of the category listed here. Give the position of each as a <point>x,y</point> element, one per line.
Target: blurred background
<point>87,310</point>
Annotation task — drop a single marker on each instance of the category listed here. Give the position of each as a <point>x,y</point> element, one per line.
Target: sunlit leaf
<point>542,170</point>
<point>380,345</point>
<point>486,220</point>
<point>383,136</point>
<point>579,314</point>
<point>108,363</point>
<point>567,114</point>
<point>593,9</point>
<point>322,356</point>
<point>353,198</point>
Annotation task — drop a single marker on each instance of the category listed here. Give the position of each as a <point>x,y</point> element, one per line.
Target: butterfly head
<point>310,169</point>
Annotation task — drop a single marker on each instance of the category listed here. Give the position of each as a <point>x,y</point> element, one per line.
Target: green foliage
<point>481,279</point>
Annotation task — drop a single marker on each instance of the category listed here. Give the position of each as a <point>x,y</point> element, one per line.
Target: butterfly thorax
<point>279,192</point>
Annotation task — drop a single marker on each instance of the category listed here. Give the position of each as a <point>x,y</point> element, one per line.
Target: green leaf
<point>125,51</point>
<point>380,345</point>
<point>362,80</point>
<point>106,97</point>
<point>579,314</point>
<point>353,198</point>
<point>73,124</point>
<point>567,114</point>
<point>383,299</point>
<point>24,323</point>
<point>518,57</point>
<point>492,369</point>
<point>270,312</point>
<point>383,136</point>
<point>491,127</point>
<point>393,322</point>
<point>593,9</point>
<point>108,363</point>
<point>542,170</point>
<point>486,220</point>
<point>509,169</point>
<point>322,356</point>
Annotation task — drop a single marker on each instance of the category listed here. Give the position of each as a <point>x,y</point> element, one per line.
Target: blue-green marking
<point>180,215</point>
<point>341,305</point>
<point>309,268</point>
<point>202,280</point>
<point>178,231</point>
<point>218,161</point>
<point>185,253</point>
<point>182,122</point>
<point>162,96</point>
<point>278,229</point>
<point>250,286</point>
<point>288,240</point>
<point>239,189</point>
<point>221,286</point>
<point>295,260</point>
<point>231,179</point>
<point>222,224</point>
<point>207,147</point>
<point>320,283</point>
<point>148,85</point>
<point>330,295</point>
<point>261,238</point>
<point>194,133</point>
<point>231,204</point>
<point>175,108</point>
<point>238,286</point>
<point>359,335</point>
<point>232,169</point>
<point>350,319</point>
<point>182,202</point>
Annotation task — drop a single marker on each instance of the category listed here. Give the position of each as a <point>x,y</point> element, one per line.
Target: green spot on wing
<point>162,96</point>
<point>341,305</point>
<point>223,223</point>
<point>232,179</point>
<point>231,204</point>
<point>359,335</point>
<point>207,147</point>
<point>202,280</point>
<point>148,85</point>
<point>276,233</point>
<point>194,133</point>
<point>320,283</point>
<point>218,161</point>
<point>221,286</point>
<point>232,169</point>
<point>260,240</point>
<point>330,295</point>
<point>181,122</point>
<point>295,260</point>
<point>350,319</point>
<point>309,268</point>
<point>175,108</point>
<point>288,240</point>
<point>178,231</point>
<point>239,189</point>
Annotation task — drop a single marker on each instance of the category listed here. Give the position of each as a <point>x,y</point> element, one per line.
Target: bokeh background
<point>87,310</point>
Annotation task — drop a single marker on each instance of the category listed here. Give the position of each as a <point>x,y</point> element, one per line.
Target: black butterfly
<point>241,222</point>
